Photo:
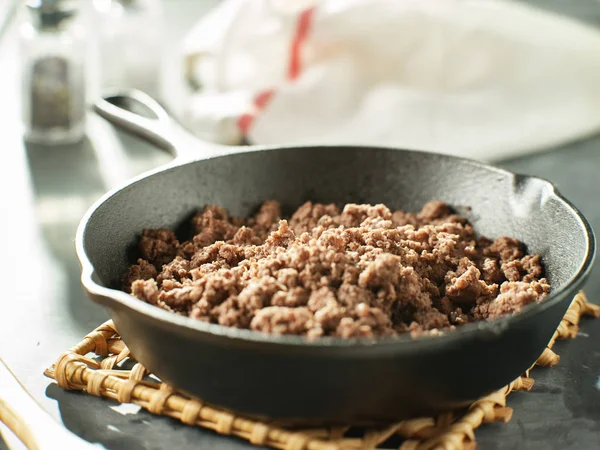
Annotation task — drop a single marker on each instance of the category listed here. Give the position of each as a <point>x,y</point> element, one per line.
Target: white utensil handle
<point>28,420</point>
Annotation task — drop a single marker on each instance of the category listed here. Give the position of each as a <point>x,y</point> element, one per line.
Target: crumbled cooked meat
<point>434,210</point>
<point>359,272</point>
<point>491,272</point>
<point>465,285</point>
<point>282,320</point>
<point>527,269</point>
<point>143,270</point>
<point>158,246</point>
<point>351,295</point>
<point>508,249</point>
<point>365,321</point>
<point>514,296</point>
<point>401,218</point>
<point>432,319</point>
<point>355,215</point>
<point>308,216</point>
<point>180,299</point>
<point>457,317</point>
<point>246,236</point>
<point>213,224</point>
<point>292,297</point>
<point>175,270</point>
<point>268,216</point>
<point>145,290</point>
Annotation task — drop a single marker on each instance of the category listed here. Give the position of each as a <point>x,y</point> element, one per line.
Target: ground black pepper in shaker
<point>54,47</point>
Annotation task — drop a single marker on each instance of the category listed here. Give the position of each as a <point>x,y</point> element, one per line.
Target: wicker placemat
<point>80,369</point>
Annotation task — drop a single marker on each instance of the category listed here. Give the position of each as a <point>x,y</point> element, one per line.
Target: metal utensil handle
<point>162,130</point>
<point>28,421</point>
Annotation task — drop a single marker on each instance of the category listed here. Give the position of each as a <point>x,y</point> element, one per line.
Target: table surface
<point>46,310</point>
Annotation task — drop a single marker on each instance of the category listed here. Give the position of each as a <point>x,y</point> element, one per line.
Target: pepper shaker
<point>53,51</point>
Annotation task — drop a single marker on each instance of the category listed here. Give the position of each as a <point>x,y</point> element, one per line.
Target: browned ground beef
<point>362,271</point>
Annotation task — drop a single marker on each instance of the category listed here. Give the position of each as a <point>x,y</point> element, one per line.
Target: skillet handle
<point>160,130</point>
<point>29,422</point>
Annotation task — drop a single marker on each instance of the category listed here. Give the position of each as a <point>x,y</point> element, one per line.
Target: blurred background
<point>488,80</point>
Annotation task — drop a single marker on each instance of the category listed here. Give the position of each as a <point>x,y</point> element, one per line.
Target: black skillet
<point>330,379</point>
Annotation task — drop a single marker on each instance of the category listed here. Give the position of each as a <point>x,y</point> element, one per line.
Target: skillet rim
<point>480,329</point>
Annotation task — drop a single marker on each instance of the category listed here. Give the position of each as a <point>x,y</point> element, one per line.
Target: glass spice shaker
<point>53,53</point>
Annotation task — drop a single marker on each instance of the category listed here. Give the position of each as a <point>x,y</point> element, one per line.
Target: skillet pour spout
<point>329,379</point>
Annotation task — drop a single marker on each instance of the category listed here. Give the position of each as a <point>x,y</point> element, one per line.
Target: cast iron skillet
<point>329,379</point>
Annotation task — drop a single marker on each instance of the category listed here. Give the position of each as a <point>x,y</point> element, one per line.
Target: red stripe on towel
<point>261,101</point>
<point>302,30</point>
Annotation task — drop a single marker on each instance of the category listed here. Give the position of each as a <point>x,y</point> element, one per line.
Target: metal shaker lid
<point>49,14</point>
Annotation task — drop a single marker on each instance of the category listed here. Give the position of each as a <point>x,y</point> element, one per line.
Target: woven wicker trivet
<point>76,370</point>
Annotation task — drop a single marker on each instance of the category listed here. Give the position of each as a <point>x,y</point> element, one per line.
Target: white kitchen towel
<point>486,79</point>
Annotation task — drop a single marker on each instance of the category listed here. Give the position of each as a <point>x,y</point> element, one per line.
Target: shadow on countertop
<point>95,420</point>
